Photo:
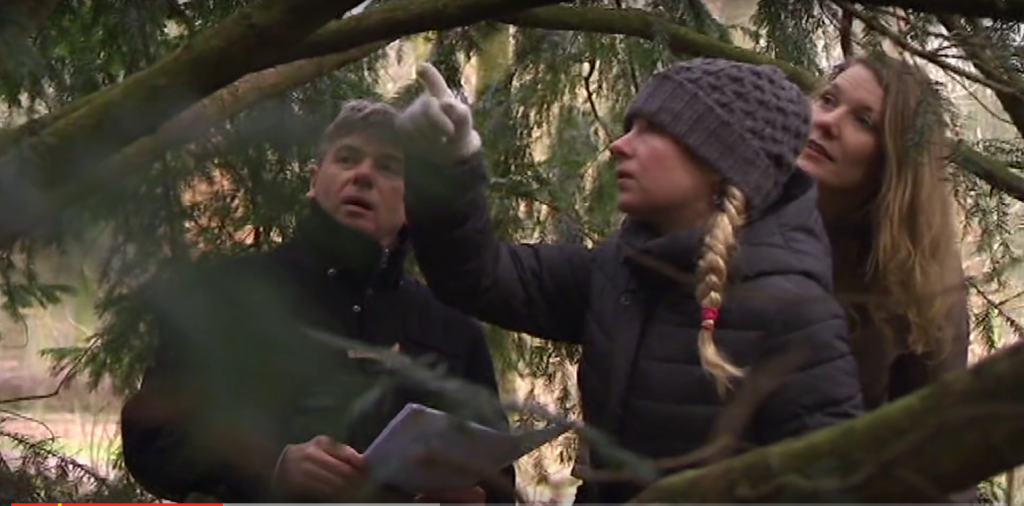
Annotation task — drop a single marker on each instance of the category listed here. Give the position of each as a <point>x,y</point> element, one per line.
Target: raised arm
<point>538,289</point>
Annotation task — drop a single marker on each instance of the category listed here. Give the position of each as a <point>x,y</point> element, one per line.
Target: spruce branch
<point>97,126</point>
<point>118,115</point>
<point>1011,10</point>
<point>649,26</point>
<point>982,51</point>
<point>997,174</point>
<point>200,118</point>
<point>993,82</point>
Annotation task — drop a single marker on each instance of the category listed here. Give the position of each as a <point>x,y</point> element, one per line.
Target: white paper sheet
<point>459,454</point>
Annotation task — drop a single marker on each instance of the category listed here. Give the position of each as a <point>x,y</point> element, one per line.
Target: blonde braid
<point>712,271</point>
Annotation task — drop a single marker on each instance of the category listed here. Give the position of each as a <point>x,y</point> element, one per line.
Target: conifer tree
<point>172,129</point>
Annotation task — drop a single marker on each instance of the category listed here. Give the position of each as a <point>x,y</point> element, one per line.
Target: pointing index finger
<point>433,82</point>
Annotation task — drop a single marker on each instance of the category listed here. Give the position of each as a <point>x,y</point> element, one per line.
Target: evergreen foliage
<point>547,104</point>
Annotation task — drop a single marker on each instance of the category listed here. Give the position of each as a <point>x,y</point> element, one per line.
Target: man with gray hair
<point>242,405</point>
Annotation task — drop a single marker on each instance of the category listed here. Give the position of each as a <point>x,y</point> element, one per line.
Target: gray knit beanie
<point>746,122</point>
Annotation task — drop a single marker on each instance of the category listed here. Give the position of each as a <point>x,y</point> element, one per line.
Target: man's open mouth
<point>358,202</point>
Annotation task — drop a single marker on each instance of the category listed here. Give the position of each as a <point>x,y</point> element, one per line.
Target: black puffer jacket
<point>640,375</point>
<point>232,349</point>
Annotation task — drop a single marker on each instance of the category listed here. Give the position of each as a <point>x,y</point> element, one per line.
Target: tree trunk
<point>937,441</point>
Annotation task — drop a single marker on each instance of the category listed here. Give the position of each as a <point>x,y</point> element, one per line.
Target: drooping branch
<point>983,55</point>
<point>145,100</point>
<point>645,25</point>
<point>650,26</point>
<point>405,17</point>
<point>998,175</point>
<point>212,111</point>
<point>1006,86</point>
<point>135,118</point>
<point>993,82</point>
<point>1012,10</point>
<point>937,441</point>
<point>387,22</point>
<point>99,125</point>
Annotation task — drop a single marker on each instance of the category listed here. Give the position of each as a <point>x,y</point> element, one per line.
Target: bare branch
<point>983,55</point>
<point>902,43</point>
<point>846,34</point>
<point>591,68</point>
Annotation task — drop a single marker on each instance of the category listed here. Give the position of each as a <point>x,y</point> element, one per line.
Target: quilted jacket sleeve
<point>538,289</point>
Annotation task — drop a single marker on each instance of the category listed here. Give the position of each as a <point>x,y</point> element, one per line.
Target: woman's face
<point>844,152</point>
<point>660,181</point>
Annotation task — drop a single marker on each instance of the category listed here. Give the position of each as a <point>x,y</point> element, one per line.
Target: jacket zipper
<point>365,303</point>
<point>383,264</point>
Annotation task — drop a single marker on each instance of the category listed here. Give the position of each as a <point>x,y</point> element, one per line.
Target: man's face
<point>361,183</point>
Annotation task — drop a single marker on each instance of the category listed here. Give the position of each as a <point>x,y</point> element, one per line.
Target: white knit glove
<point>437,125</point>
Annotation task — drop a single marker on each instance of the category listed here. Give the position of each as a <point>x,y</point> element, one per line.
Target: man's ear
<point>313,173</point>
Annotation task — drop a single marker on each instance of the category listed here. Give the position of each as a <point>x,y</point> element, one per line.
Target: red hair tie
<point>709,315</point>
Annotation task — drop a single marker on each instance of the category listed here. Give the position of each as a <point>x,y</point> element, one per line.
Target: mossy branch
<point>60,150</point>
<point>99,125</point>
<point>405,17</point>
<point>115,117</point>
<point>198,120</point>
<point>649,26</point>
<point>938,441</point>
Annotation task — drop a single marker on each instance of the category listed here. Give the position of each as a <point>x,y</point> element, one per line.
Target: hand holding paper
<point>424,450</point>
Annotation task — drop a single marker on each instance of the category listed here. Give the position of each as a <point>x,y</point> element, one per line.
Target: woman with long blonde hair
<point>721,265</point>
<point>879,149</point>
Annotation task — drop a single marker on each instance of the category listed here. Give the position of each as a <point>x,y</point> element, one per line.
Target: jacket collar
<point>787,239</point>
<point>653,252</point>
<point>330,247</point>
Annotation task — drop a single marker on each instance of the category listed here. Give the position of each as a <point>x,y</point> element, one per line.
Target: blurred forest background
<point>159,129</point>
